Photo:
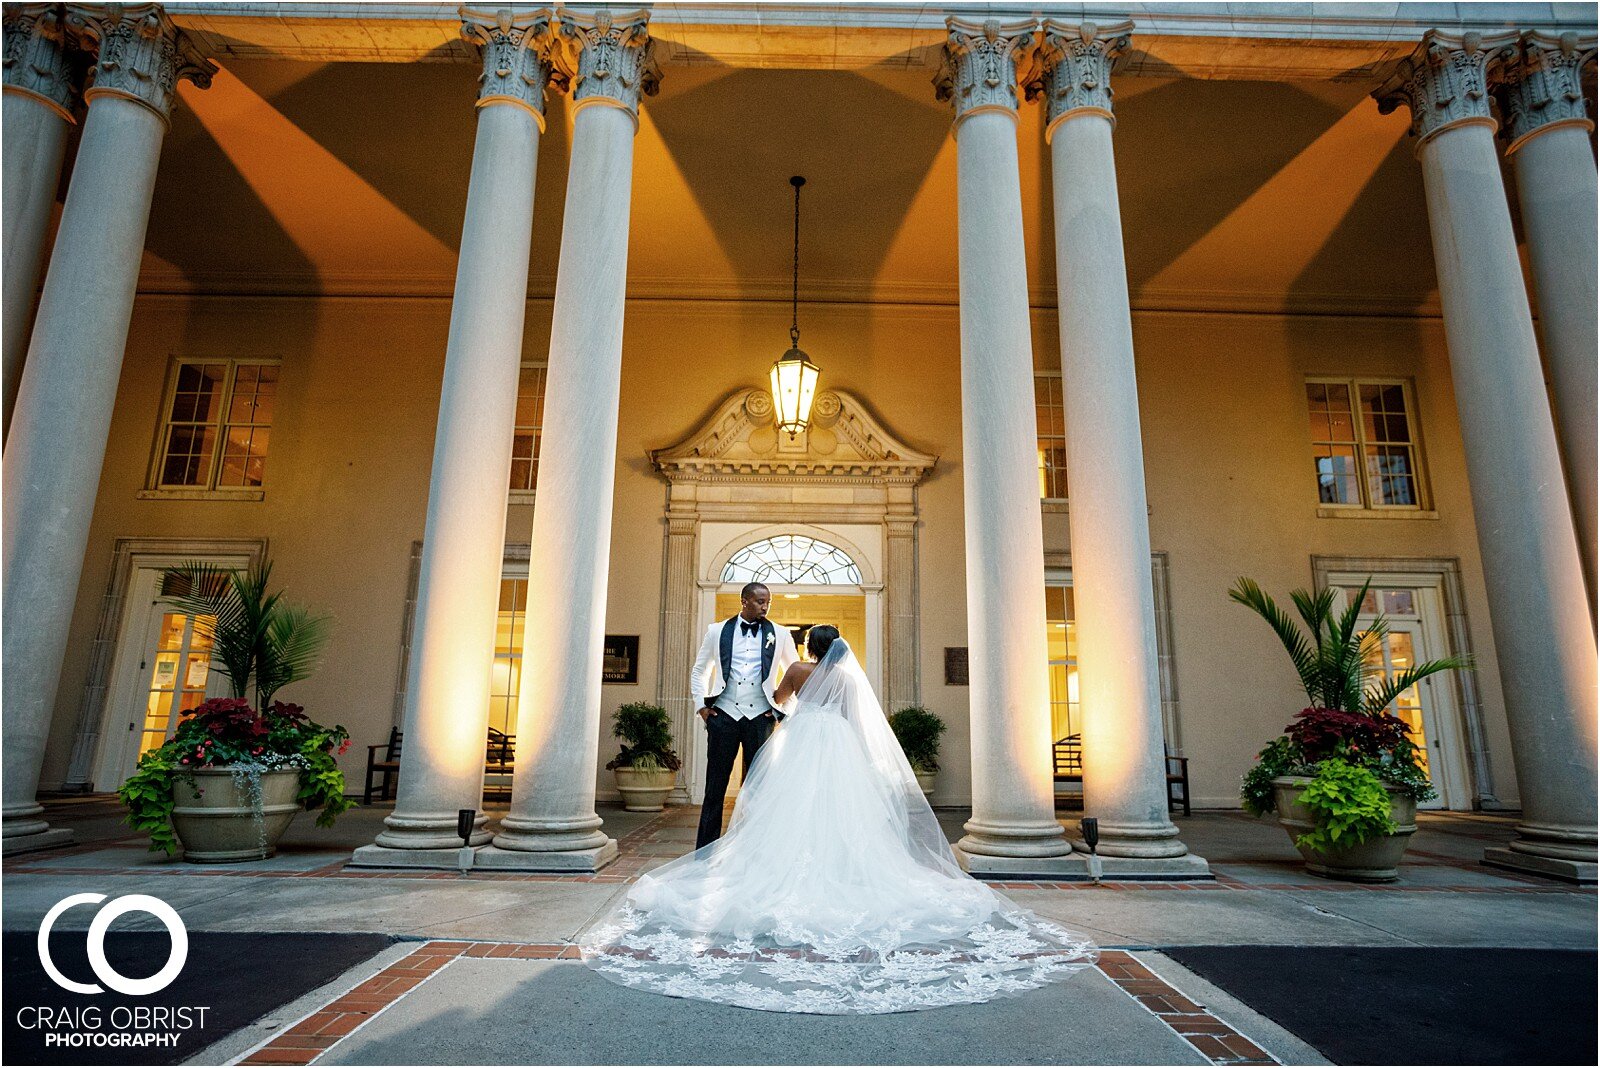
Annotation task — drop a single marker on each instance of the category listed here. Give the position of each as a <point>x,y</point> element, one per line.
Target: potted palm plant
<point>230,780</point>
<point>646,768</point>
<point>917,730</point>
<point>1343,777</point>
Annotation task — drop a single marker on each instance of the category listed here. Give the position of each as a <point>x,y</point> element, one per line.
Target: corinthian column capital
<point>36,60</point>
<point>985,63</point>
<point>1075,68</point>
<point>1446,81</point>
<point>610,58</point>
<point>1543,85</point>
<point>517,65</point>
<point>141,54</point>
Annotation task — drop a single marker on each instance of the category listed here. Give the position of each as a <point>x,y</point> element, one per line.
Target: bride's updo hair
<point>819,638</point>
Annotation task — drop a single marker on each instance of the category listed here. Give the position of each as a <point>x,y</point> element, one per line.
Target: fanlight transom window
<point>793,559</point>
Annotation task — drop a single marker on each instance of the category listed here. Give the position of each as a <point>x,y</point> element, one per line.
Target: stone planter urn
<point>925,780</point>
<point>644,791</point>
<point>1375,861</point>
<point>230,820</point>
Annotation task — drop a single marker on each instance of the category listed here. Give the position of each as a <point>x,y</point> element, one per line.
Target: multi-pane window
<point>793,559</point>
<point>1062,638</point>
<point>1363,443</point>
<point>530,417</point>
<point>217,425</point>
<point>507,671</point>
<point>1052,436</point>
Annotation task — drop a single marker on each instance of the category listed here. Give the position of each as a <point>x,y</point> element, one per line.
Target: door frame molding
<point>128,555</point>
<point>846,468</point>
<point>1443,574</point>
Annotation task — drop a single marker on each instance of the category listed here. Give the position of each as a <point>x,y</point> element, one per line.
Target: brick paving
<point>307,1039</point>
<point>1212,1038</point>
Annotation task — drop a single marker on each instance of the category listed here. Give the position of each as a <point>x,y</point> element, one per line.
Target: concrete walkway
<point>497,988</point>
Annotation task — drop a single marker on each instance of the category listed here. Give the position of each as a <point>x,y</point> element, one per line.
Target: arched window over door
<point>793,559</point>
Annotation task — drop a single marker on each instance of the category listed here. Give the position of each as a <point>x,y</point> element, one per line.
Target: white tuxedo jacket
<point>710,675</point>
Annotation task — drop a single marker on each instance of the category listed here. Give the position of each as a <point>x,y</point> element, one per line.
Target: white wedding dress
<point>834,890</point>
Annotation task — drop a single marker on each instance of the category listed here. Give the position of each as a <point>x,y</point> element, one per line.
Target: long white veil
<point>834,890</point>
<point>839,686</point>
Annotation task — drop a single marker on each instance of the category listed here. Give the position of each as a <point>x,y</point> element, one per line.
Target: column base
<point>403,832</point>
<point>428,859</point>
<point>555,862</point>
<point>1023,840</point>
<point>1074,868</point>
<point>50,838</point>
<point>1572,871</point>
<point>1136,841</point>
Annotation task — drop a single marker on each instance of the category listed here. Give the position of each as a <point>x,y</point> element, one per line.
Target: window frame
<point>516,494</point>
<point>1366,508</point>
<point>153,488</point>
<point>1051,503</point>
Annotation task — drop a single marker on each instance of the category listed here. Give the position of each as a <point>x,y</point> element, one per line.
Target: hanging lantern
<point>794,376</point>
<point>794,384</point>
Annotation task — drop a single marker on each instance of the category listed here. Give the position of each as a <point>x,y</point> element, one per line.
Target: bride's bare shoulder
<point>794,676</point>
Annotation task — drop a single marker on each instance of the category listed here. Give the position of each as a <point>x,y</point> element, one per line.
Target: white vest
<point>743,697</point>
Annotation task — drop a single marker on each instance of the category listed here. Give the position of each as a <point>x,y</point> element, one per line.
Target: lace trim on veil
<point>800,970</point>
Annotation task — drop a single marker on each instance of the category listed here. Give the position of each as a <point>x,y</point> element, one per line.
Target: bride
<point>834,890</point>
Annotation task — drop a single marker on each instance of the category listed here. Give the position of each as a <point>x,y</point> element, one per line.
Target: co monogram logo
<point>97,943</point>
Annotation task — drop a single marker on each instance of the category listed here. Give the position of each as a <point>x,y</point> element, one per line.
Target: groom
<point>734,677</point>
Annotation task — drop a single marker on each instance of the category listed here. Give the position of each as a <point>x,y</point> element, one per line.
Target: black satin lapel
<point>768,647</point>
<point>727,650</point>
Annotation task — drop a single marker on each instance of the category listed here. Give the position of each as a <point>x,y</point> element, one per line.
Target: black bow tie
<point>749,628</point>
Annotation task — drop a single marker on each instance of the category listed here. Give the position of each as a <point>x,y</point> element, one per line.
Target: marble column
<point>1013,828</point>
<point>69,385</point>
<point>1544,638</point>
<point>1547,133</point>
<point>552,825</point>
<point>446,717</point>
<point>1124,768</point>
<point>40,94</point>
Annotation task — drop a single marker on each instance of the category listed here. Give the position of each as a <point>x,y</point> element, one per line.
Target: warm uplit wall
<point>1227,456</point>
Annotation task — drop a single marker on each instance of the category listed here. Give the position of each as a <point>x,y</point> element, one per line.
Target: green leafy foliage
<point>226,732</point>
<point>1350,805</point>
<point>148,797</point>
<point>1280,757</point>
<point>918,730</point>
<point>1348,724</point>
<point>256,637</point>
<point>646,733</point>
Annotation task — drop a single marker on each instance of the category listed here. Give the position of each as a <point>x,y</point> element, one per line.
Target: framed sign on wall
<point>621,663</point>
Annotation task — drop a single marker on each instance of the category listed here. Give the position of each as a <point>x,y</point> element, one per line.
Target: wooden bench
<point>499,759</point>
<point>1069,768</point>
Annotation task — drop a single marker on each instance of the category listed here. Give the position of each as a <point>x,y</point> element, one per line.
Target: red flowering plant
<point>1348,741</point>
<point>256,640</point>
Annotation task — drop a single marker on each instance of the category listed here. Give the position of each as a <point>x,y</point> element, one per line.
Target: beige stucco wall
<point>1231,490</point>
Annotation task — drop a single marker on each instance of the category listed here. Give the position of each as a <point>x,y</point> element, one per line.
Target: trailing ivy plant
<point>918,730</point>
<point>1346,738</point>
<point>257,641</point>
<point>226,733</point>
<point>1349,803</point>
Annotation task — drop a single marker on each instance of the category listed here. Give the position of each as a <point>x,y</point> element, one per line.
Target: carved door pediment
<point>742,441</point>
